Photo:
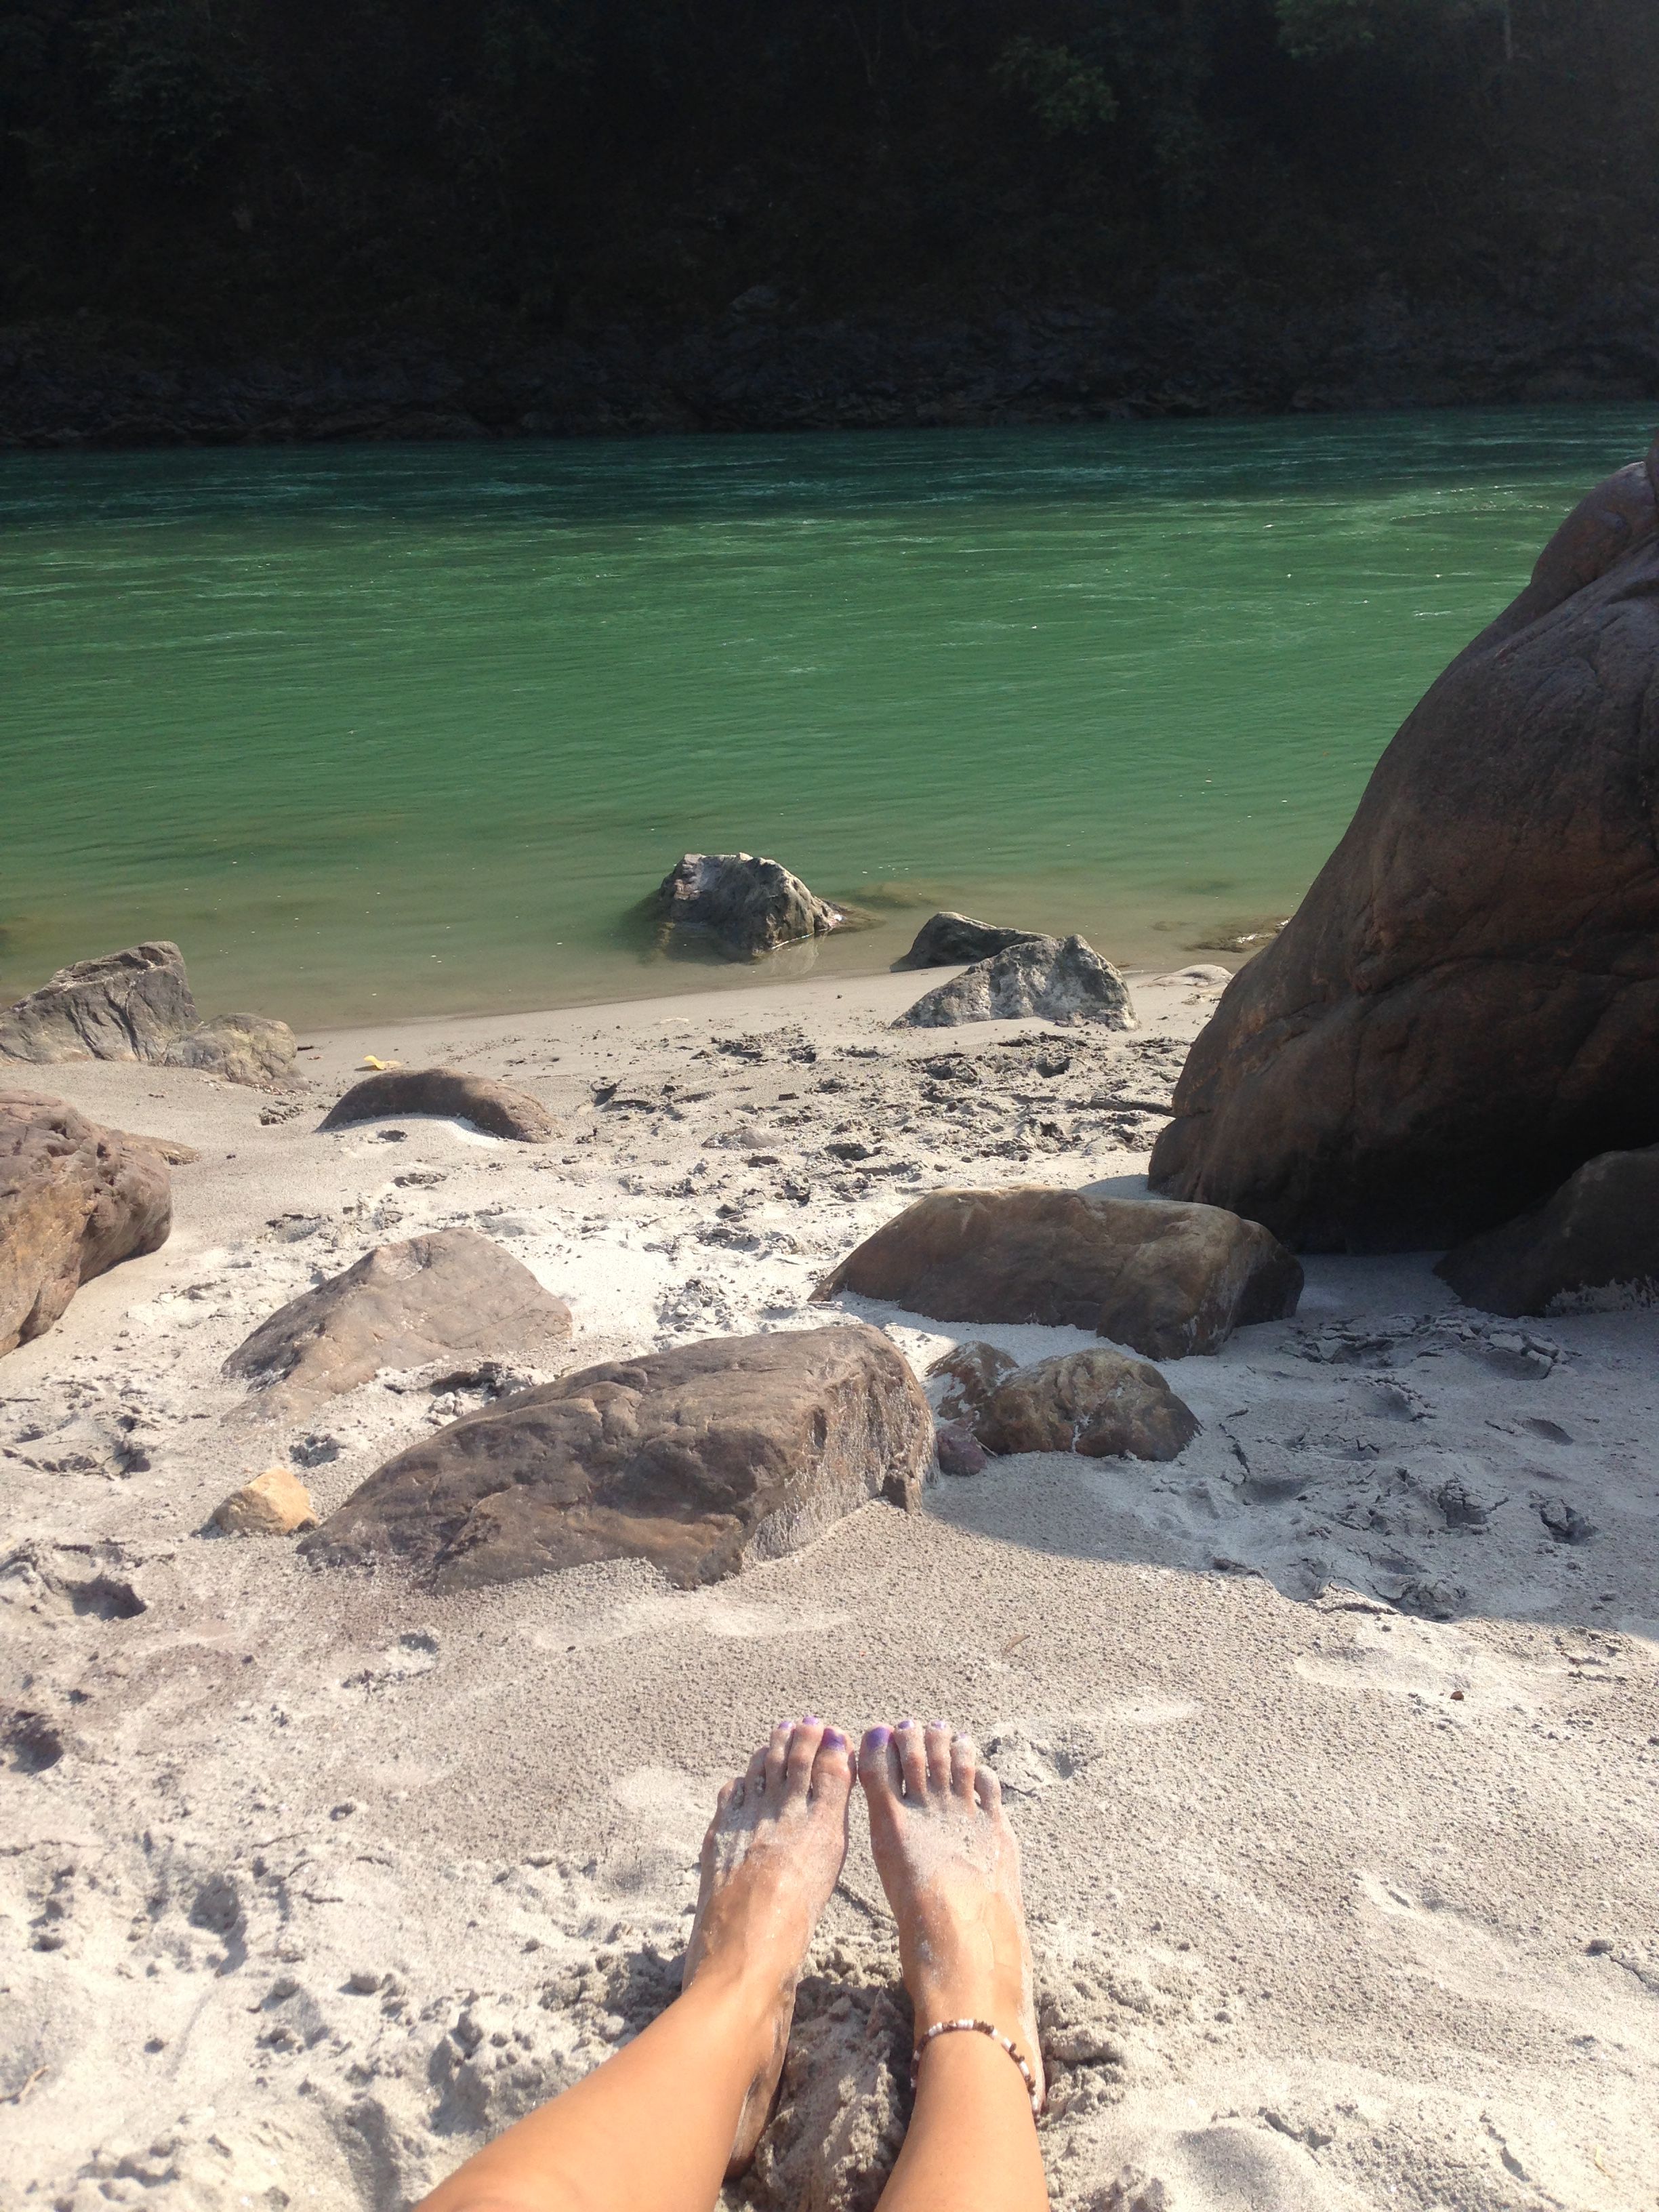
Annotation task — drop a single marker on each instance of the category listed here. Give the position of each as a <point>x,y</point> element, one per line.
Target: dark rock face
<point>75,1200</point>
<point>402,1305</point>
<point>1053,979</point>
<point>1095,1402</point>
<point>499,1109</point>
<point>122,1006</point>
<point>948,939</point>
<point>698,1460</point>
<point>1466,1007</point>
<point>746,906</point>
<point>1169,1279</point>
<point>251,1048</point>
<point>1599,1232</point>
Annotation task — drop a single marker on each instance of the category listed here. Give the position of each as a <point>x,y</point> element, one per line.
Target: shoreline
<point>314,1878</point>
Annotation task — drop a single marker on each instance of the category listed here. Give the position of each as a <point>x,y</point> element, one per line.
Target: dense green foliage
<point>278,167</point>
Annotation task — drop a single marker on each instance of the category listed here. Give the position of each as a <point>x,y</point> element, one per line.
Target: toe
<point>987,1789</point>
<point>776,1758</point>
<point>937,1740</point>
<point>913,1758</point>
<point>804,1741</point>
<point>964,1762</point>
<point>730,1798</point>
<point>754,1777</point>
<point>878,1766</point>
<point>832,1770</point>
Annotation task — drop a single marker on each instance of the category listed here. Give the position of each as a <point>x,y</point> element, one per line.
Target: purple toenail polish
<point>907,1724</point>
<point>810,1719</point>
<point>834,1740</point>
<point>882,1735</point>
<point>938,1724</point>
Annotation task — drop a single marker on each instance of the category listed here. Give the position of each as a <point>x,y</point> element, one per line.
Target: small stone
<point>960,1452</point>
<point>363,1982</point>
<point>275,1504</point>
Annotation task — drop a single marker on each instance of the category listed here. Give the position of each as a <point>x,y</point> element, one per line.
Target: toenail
<point>907,1723</point>
<point>882,1735</point>
<point>810,1719</point>
<point>834,1740</point>
<point>938,1724</point>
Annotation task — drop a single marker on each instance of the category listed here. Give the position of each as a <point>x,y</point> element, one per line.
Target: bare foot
<point>771,1859</point>
<point>950,1864</point>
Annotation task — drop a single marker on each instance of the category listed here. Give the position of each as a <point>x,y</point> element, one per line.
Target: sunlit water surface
<point>372,730</point>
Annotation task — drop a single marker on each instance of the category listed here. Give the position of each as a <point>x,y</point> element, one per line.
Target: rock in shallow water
<point>403,1305</point>
<point>948,940</point>
<point>75,1200</point>
<point>1053,979</point>
<point>746,905</point>
<point>1169,1279</point>
<point>1600,1232</point>
<point>501,1109</point>
<point>122,1006</point>
<point>1095,1402</point>
<point>1466,1006</point>
<point>699,1460</point>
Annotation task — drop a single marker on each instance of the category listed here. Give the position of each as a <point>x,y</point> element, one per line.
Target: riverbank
<point>1332,1768</point>
<point>1195,349</point>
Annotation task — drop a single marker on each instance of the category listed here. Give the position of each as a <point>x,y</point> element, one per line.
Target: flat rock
<point>403,1305</point>
<point>275,1504</point>
<point>1053,979</point>
<point>75,1200</point>
<point>746,905</point>
<point>1095,1402</point>
<point>251,1048</point>
<point>1465,1008</point>
<point>499,1109</point>
<point>698,1460</point>
<point>1167,1278</point>
<point>946,940</point>
<point>1600,1231</point>
<point>961,1379</point>
<point>122,1006</point>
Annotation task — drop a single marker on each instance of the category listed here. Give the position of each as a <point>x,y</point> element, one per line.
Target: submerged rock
<point>699,1460</point>
<point>1095,1402</point>
<point>1169,1279</point>
<point>403,1305</point>
<point>1600,1232</point>
<point>251,1048</point>
<point>122,1006</point>
<point>747,907</point>
<point>75,1201</point>
<point>948,940</point>
<point>501,1109</point>
<point>1465,1007</point>
<point>1055,979</point>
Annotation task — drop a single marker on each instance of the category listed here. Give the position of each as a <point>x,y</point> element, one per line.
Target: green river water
<point>377,731</point>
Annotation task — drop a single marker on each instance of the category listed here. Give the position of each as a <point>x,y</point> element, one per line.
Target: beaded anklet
<point>981,2027</point>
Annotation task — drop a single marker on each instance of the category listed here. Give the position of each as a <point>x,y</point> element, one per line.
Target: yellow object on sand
<point>369,1061</point>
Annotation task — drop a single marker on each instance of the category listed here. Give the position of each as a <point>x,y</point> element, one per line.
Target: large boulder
<point>699,1460</point>
<point>1600,1232</point>
<point>1094,1402</point>
<point>1168,1279</point>
<point>501,1109</point>
<point>1466,1006</point>
<point>252,1048</point>
<point>403,1305</point>
<point>948,941</point>
<point>122,1006</point>
<point>1055,979</point>
<point>747,907</point>
<point>74,1200</point>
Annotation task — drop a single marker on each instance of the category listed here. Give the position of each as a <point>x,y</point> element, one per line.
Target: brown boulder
<point>403,1305</point>
<point>699,1460</point>
<point>499,1109</point>
<point>1600,1231</point>
<point>1466,1006</point>
<point>1094,1402</point>
<point>1169,1279</point>
<point>75,1200</point>
<point>746,906</point>
<point>964,1377</point>
<point>122,1006</point>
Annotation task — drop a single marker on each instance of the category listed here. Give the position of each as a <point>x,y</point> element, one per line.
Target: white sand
<point>1334,1903</point>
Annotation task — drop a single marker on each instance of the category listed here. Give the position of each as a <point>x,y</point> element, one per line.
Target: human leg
<point>656,2127</point>
<point>950,1864</point>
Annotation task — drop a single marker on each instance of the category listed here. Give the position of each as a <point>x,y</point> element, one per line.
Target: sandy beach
<point>1333,1746</point>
